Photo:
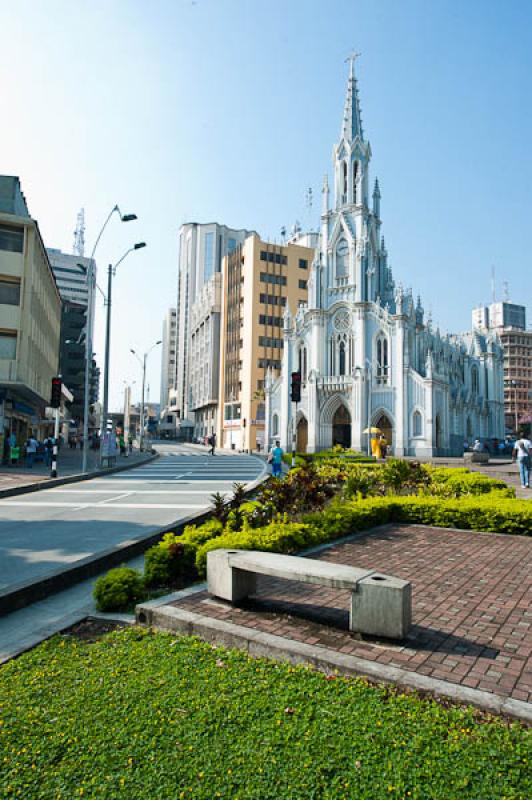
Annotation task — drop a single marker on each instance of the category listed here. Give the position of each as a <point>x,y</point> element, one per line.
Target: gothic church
<point>367,355</point>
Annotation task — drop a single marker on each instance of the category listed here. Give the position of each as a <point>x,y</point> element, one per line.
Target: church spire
<point>352,122</point>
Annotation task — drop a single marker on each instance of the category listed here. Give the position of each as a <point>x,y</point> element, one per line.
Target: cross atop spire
<point>352,122</point>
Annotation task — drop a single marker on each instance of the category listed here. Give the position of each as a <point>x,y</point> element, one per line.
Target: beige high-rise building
<point>30,318</point>
<point>260,280</point>
<point>509,321</point>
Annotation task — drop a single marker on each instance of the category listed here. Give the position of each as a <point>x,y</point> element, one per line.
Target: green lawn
<point>147,715</point>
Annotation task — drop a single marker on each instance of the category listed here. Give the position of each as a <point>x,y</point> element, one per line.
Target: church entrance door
<point>302,435</point>
<point>386,427</point>
<point>341,427</point>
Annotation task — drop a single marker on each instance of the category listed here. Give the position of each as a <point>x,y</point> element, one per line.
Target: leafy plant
<point>119,589</point>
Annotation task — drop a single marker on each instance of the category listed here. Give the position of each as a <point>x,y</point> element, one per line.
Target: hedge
<point>493,513</point>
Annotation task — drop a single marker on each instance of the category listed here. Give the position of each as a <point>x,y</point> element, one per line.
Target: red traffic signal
<point>295,387</point>
<point>57,384</point>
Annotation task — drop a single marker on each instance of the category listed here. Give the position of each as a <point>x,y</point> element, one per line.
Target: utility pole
<point>108,299</point>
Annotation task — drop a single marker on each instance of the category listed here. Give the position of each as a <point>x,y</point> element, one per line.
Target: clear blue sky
<point>228,109</point>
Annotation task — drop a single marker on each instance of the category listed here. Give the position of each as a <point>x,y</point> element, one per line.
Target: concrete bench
<point>477,457</point>
<point>381,605</point>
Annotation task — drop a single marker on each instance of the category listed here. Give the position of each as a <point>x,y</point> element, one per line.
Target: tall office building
<point>262,282</point>
<point>30,319</point>
<point>508,320</point>
<point>201,250</point>
<point>71,274</point>
<point>168,357</point>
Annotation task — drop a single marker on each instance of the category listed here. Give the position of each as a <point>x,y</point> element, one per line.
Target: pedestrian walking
<point>277,460</point>
<point>31,449</point>
<point>48,450</point>
<point>130,444</point>
<point>522,454</point>
<point>212,442</point>
<point>122,444</point>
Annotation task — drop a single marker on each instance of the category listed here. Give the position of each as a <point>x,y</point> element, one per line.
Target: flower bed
<point>320,503</point>
<point>141,715</point>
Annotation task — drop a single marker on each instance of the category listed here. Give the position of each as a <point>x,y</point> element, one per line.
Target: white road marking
<point>133,491</point>
<point>83,506</point>
<point>114,498</point>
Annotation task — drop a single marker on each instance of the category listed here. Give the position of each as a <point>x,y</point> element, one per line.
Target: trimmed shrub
<point>119,589</point>
<point>165,564</point>
<point>277,537</point>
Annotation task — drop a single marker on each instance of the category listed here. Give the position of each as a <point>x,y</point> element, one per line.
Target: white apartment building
<point>30,318</point>
<point>202,247</point>
<point>168,360</point>
<point>71,275</point>
<point>204,367</point>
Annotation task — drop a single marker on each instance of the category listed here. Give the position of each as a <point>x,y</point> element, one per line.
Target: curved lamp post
<point>88,338</point>
<point>142,362</point>
<point>111,272</point>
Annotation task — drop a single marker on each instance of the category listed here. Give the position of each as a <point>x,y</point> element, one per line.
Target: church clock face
<point>343,248</point>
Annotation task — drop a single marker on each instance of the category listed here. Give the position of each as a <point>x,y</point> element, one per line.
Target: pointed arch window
<point>303,363</point>
<point>341,359</point>
<point>355,179</point>
<point>342,259</point>
<point>418,424</point>
<point>474,381</point>
<point>383,361</point>
<point>344,182</point>
<point>275,425</point>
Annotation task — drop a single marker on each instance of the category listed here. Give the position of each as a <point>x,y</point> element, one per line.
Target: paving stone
<point>471,601</point>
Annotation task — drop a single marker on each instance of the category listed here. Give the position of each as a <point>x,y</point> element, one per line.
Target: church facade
<point>367,355</point>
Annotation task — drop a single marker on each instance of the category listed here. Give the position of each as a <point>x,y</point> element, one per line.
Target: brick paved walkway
<point>472,606</point>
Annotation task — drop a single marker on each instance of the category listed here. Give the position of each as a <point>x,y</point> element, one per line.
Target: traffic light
<point>57,383</point>
<point>295,388</point>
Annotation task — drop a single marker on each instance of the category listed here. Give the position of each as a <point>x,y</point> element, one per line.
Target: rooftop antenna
<point>506,291</point>
<point>79,234</point>
<point>283,234</point>
<point>308,203</point>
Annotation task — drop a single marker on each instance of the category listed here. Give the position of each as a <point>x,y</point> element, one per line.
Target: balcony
<point>335,383</point>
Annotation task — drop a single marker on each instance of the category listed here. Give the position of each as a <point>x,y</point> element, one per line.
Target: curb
<point>51,483</point>
<point>268,645</point>
<point>23,594</point>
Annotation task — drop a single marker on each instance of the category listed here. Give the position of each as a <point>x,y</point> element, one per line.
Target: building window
<point>9,292</point>
<point>418,424</point>
<point>341,359</point>
<point>270,341</point>
<point>264,363</point>
<point>382,359</point>
<point>263,255</point>
<point>474,380</point>
<point>302,284</point>
<point>303,263</point>
<point>231,245</point>
<point>267,319</point>
<point>11,238</point>
<point>208,267</point>
<point>279,280</point>
<point>8,345</point>
<point>342,254</point>
<point>275,425</point>
<point>355,177</point>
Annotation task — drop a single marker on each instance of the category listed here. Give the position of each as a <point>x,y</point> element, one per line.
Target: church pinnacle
<point>352,122</point>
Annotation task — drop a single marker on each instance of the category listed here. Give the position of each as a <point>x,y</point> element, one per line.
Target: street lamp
<point>111,272</point>
<point>89,323</point>
<point>142,362</point>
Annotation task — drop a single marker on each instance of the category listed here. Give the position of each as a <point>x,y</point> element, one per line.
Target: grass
<point>146,715</point>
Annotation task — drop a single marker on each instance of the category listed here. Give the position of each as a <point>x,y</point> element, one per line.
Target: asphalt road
<point>43,531</point>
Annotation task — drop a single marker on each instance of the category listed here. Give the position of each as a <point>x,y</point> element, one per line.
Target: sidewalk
<point>69,462</point>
